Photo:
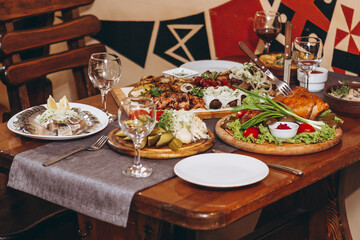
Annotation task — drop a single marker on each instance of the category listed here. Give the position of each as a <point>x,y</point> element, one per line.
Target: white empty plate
<point>221,170</point>
<point>202,66</point>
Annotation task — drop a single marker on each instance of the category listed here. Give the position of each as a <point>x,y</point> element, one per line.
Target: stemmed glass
<point>307,54</point>
<point>137,118</point>
<point>267,25</point>
<point>104,71</point>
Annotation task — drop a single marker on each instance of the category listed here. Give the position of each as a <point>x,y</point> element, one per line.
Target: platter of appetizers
<point>211,94</point>
<point>178,133</point>
<point>58,121</point>
<point>286,125</point>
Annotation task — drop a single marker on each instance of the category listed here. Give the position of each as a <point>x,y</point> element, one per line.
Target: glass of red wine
<point>267,25</point>
<point>307,54</point>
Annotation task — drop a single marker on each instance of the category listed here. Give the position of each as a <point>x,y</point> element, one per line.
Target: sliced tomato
<point>305,127</point>
<point>137,113</point>
<point>158,114</point>
<point>241,113</point>
<point>251,132</point>
<point>224,82</point>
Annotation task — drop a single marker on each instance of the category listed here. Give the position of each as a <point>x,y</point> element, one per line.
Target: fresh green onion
<point>270,108</point>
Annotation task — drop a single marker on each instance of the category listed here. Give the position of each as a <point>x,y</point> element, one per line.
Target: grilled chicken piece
<point>303,103</point>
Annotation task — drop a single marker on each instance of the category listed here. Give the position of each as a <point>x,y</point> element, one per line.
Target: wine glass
<point>267,25</point>
<point>307,54</point>
<point>104,71</point>
<point>137,119</point>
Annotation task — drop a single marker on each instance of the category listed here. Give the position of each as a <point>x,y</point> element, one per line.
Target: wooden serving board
<point>127,147</point>
<point>271,148</point>
<point>118,94</point>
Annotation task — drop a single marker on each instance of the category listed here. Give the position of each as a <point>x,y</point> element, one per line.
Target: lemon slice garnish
<point>51,104</point>
<point>64,103</point>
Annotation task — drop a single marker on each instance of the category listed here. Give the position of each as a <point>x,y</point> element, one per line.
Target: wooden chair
<point>27,33</point>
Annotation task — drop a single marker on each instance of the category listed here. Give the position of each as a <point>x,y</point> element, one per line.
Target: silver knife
<point>279,167</point>
<point>287,56</point>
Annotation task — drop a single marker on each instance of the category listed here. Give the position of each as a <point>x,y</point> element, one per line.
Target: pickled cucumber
<point>120,133</point>
<point>143,143</point>
<point>157,138</point>
<point>175,144</point>
<point>153,139</point>
<point>164,140</point>
<point>157,130</point>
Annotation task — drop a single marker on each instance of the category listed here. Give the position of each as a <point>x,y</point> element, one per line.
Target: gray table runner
<point>89,182</point>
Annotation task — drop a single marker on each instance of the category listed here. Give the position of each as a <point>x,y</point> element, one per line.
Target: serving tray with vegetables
<point>178,133</point>
<point>255,126</point>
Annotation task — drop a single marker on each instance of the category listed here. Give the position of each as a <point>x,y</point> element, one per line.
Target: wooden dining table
<point>299,207</point>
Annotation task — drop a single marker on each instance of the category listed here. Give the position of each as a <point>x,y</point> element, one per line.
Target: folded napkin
<point>89,182</point>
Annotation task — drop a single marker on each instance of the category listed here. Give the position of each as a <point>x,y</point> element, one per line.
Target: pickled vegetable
<point>164,140</point>
<point>157,130</point>
<point>153,139</point>
<point>143,143</point>
<point>227,121</point>
<point>175,144</point>
<point>120,133</point>
<point>288,118</point>
<point>269,121</point>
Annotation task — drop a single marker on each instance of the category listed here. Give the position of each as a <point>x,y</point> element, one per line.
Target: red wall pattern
<point>307,16</point>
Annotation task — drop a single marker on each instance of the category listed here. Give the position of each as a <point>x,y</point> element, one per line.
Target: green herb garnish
<point>341,91</point>
<point>166,121</point>
<point>209,74</point>
<point>269,108</point>
<point>155,92</point>
<point>197,92</point>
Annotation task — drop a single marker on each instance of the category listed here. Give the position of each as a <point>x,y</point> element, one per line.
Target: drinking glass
<point>104,71</point>
<point>137,119</point>
<point>307,54</point>
<point>267,25</point>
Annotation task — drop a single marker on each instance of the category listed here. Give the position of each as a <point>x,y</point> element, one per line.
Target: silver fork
<point>96,146</point>
<point>281,85</point>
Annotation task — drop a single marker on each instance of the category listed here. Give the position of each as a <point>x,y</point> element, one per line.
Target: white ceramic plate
<point>202,66</point>
<point>102,117</point>
<point>222,170</point>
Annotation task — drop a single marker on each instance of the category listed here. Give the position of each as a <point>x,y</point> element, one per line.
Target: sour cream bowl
<point>284,130</point>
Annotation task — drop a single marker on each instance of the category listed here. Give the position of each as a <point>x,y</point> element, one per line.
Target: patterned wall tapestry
<point>183,31</point>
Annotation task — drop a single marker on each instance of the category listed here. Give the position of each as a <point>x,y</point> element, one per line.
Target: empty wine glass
<point>307,54</point>
<point>137,119</point>
<point>267,25</point>
<point>104,71</point>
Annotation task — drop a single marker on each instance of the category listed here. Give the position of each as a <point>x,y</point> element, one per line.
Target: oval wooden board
<point>127,147</point>
<point>271,148</point>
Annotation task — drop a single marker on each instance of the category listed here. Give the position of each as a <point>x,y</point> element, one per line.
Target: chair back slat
<point>14,9</point>
<point>20,73</point>
<point>14,41</point>
<point>28,31</point>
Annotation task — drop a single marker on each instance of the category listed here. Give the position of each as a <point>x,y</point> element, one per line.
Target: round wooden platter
<point>127,147</point>
<point>271,148</point>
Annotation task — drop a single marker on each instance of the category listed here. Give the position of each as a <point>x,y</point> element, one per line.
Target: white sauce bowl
<point>284,133</point>
<point>317,79</point>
